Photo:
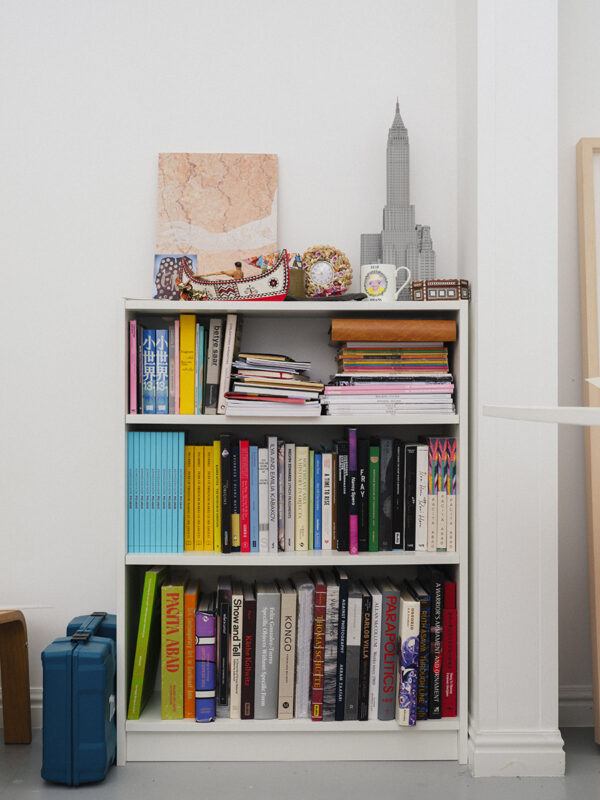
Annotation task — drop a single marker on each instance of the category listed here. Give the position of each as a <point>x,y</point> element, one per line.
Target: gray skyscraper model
<point>401,242</point>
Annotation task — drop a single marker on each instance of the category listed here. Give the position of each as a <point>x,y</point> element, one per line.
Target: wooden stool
<point>14,672</point>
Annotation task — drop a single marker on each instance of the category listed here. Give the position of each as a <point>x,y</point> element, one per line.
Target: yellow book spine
<point>209,500</point>
<point>199,498</point>
<point>217,494</point>
<point>187,362</point>
<point>188,497</point>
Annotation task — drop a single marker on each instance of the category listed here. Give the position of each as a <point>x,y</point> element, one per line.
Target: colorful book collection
<point>231,495</point>
<point>320,646</point>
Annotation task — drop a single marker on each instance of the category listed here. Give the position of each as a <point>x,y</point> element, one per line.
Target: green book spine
<point>373,499</point>
<point>311,499</point>
<point>146,649</point>
<point>171,653</point>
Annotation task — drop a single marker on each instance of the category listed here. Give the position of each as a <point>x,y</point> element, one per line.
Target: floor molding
<point>516,754</point>
<point>575,706</point>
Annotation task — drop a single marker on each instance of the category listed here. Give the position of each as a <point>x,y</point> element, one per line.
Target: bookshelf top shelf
<point>185,420</point>
<point>294,308</point>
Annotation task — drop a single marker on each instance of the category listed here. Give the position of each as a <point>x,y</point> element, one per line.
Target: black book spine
<point>248,657</point>
<point>343,498</point>
<point>424,646</point>
<point>398,495</point>
<point>340,676</point>
<point>235,493</point>
<point>433,580</point>
<point>386,485</point>
<point>224,623</point>
<point>225,440</point>
<point>410,495</point>
<point>140,368</point>
<point>365,653</point>
<point>363,495</point>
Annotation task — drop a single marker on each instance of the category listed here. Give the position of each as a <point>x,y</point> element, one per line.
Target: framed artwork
<point>588,197</point>
<point>219,207</point>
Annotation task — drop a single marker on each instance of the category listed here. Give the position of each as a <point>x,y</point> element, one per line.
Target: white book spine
<point>301,524</point>
<point>451,523</point>
<point>421,494</point>
<point>441,521</point>
<point>287,655</point>
<point>326,532</point>
<point>228,353</point>
<point>374,654</point>
<point>263,500</point>
<point>273,529</point>
<point>237,615</point>
<point>290,496</point>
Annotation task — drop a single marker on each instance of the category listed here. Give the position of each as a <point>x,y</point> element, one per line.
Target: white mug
<point>379,281</point>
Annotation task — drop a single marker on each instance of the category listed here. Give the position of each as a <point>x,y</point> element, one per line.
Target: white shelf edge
<point>221,419</point>
<point>313,558</point>
<point>297,308</point>
<point>562,415</point>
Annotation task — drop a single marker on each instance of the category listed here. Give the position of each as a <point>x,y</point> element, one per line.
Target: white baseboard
<point>575,707</point>
<point>35,693</point>
<point>516,754</point>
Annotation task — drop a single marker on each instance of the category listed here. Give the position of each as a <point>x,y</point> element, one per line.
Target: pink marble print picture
<point>221,207</point>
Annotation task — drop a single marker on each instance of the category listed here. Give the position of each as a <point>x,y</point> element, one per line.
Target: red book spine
<point>449,653</point>
<point>318,652</point>
<point>244,496</point>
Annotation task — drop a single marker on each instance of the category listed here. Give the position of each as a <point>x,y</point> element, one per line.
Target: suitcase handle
<point>89,627</point>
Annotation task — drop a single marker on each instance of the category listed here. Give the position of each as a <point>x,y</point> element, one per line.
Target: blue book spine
<point>163,489</point>
<point>162,371</point>
<point>154,494</point>
<point>180,480</point>
<point>317,525</point>
<point>200,345</point>
<point>172,479</point>
<point>206,683</point>
<point>149,372</point>
<point>253,499</point>
<point>144,483</point>
<point>130,435</point>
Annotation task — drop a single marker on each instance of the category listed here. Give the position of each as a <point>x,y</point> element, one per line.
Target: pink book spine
<point>353,475</point>
<point>132,366</point>
<point>176,378</point>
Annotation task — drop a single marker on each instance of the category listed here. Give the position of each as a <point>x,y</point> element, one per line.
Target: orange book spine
<point>190,604</point>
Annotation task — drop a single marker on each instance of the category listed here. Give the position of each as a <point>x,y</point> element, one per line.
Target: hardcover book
<point>318,502</point>
<point>199,498</point>
<point>244,496</point>
<point>340,680</point>
<point>374,497</point>
<point>449,655</point>
<point>410,496</point>
<point>187,362</point>
<point>172,657</point>
<point>273,493</point>
<point>331,646</point>
<point>398,494</point>
<point>451,496</point>
<point>162,371</point>
<point>248,651</point>
<point>268,610</point>
<point>254,514</point>
<point>390,598</point>
<point>223,644</point>
<point>235,657</point>
<point>386,485</point>
<point>188,498</point>
<point>326,511</point>
<point>149,371</point>
<point>433,582</point>
<point>226,533</point>
<point>235,497</point>
<point>209,498</point>
<point>230,347</point>
<point>353,490</point>
<point>206,672</point>
<point>419,593</point>
<point>213,365</point>
<point>311,499</point>
<point>353,632</point>
<point>421,500</point>
<point>280,495</point>
<point>290,496</point>
<point>365,655</point>
<point>173,357</point>
<point>190,603</point>
<point>133,367</point>
<point>318,646</point>
<point>217,497</point>
<point>343,498</point>
<point>408,669</point>
<point>363,495</point>
<point>305,590</point>
<point>374,650</point>
<point>287,650</point>
<point>263,500</point>
<point>442,524</point>
<point>432,487</point>
<point>301,523</point>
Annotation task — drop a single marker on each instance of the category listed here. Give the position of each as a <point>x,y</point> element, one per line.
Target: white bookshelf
<point>300,329</point>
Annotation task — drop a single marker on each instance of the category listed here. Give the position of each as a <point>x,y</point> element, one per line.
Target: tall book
<point>304,622</point>
<point>363,495</point>
<point>133,366</point>
<point>311,499</point>
<point>176,367</point>
<point>209,498</point>
<point>419,593</point>
<point>334,501</point>
<point>187,362</point>
<point>365,655</point>
<point>432,488</point>
<point>353,631</point>
<point>223,644</point>
<point>388,657</point>
<point>248,653</point>
<point>398,494</point>
<point>206,667</point>
<point>244,496</point>
<point>266,688</point>
<point>343,497</point>
<point>235,657</point>
<point>172,657</point>
<point>263,500</point>
<point>226,533</point>
<point>189,498</point>
<point>433,582</point>
<point>173,356</point>
<point>254,515</point>
<point>147,645</point>
<point>353,490</point>
<point>230,344</point>
<point>318,647</point>
<point>162,371</point>
<point>408,668</point>
<point>421,495</point>
<point>326,498</point>
<point>213,364</point>
<point>301,482</point>
<point>449,654</point>
<point>190,604</point>
<point>287,650</point>
<point>199,497</point>
<point>374,649</point>
<point>331,646</point>
<point>318,502</point>
<point>451,496</point>
<point>140,367</point>
<point>273,493</point>
<point>386,484</point>
<point>149,371</point>
<point>290,495</point>
<point>199,369</point>
<point>410,496</point>
<point>340,678</point>
<point>374,496</point>
<point>217,516</point>
<point>280,495</point>
<point>235,497</point>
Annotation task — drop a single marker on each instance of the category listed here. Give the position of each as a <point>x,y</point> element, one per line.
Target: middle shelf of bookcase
<point>313,559</point>
<point>199,420</point>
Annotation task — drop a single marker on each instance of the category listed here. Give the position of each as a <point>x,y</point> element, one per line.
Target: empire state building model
<point>401,242</point>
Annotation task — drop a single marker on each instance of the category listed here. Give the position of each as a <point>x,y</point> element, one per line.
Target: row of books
<point>232,495</point>
<point>321,646</point>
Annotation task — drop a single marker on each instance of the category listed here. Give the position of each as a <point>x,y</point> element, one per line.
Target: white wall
<point>91,92</point>
<point>579,116</point>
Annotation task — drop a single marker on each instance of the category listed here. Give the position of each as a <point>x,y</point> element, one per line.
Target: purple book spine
<point>206,633</point>
<point>353,487</point>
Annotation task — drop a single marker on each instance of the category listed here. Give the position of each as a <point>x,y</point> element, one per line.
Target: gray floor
<point>19,779</point>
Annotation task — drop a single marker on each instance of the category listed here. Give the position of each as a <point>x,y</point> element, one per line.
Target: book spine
<point>187,362</point>
<point>280,495</point>
<point>244,496</point>
<point>235,658</point>
<point>223,649</point>
<point>142,646</point>
<point>263,500</point>
<point>248,664</point>
<point>386,541</point>
<point>228,355</point>
<point>200,354</point>
<point>254,499</point>
<point>363,495</point>
<point>303,643</point>
<point>287,656</point>
<point>140,368</point>
<point>273,493</point>
<point>343,498</point>
<point>331,650</point>
<point>449,651</point>
<point>198,497</point>
<point>190,601</point>
<point>353,490</point>
<point>317,504</point>
<point>176,370</point>
<point>213,365</point>
<point>171,331</point>
<point>130,491</point>
<point>209,495</point>
<point>290,496</point>
<point>365,658</point>
<point>424,645</point>
<point>218,547</point>
<point>132,366</point>
<point>172,652</point>
<point>410,496</point>
<point>162,371</point>
<point>267,655</point>
<point>318,651</point>
<point>226,533</point>
<point>373,498</point>
<point>135,533</point>
<point>301,523</point>
<point>421,499</point>
<point>442,525</point>
<point>206,672</point>
<point>398,495</point>
<point>179,441</point>
<point>235,497</point>
<point>432,504</point>
<point>408,670</point>
<point>149,372</point>
<point>334,501</point>
<point>388,655</point>
<point>311,499</point>
<point>435,649</point>
<point>451,497</point>
<point>326,502</point>
<point>340,679</point>
<point>376,621</point>
<point>353,632</point>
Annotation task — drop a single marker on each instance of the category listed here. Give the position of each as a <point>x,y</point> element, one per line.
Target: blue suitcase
<point>79,736</point>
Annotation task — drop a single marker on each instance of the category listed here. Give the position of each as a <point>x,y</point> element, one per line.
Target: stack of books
<point>323,646</point>
<point>380,373</point>
<point>272,385</point>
